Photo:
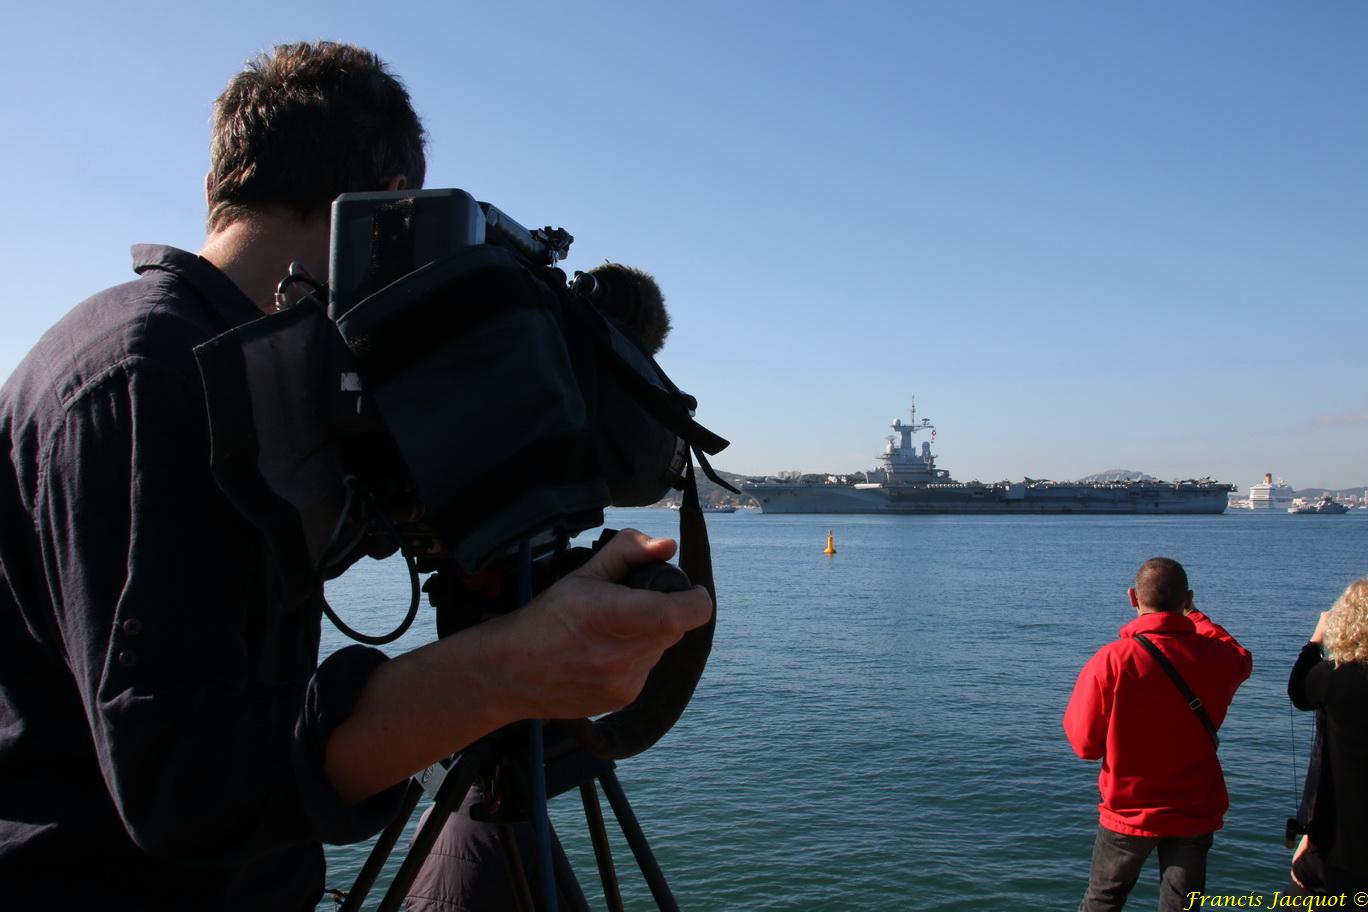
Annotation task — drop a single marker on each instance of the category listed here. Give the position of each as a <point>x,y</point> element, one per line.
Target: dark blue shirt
<point>162,710</point>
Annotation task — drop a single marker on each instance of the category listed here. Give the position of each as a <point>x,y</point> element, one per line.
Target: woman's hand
<point>1320,627</point>
<point>1301,849</point>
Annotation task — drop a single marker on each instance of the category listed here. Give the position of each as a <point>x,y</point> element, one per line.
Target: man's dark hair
<point>1161,583</point>
<point>306,122</point>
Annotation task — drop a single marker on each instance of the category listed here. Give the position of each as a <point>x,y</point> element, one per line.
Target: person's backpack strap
<point>1194,702</point>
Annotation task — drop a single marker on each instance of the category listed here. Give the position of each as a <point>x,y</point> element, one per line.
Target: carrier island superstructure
<point>907,481</point>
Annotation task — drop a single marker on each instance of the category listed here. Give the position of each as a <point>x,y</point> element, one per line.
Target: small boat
<point>719,508</point>
<point>1326,504</point>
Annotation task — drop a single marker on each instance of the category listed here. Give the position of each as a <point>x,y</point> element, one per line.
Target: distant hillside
<point>1119,475</point>
<point>711,493</point>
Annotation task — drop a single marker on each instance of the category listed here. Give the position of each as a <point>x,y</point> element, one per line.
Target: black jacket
<point>162,711</point>
<point>1340,823</point>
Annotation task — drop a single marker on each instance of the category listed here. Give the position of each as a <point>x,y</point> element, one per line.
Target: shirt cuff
<point>331,696</point>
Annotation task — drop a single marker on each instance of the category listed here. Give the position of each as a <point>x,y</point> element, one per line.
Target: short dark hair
<point>1161,583</point>
<point>306,122</point>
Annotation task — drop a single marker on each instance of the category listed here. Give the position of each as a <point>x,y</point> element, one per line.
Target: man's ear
<point>1134,599</point>
<point>398,182</point>
<point>1187,602</point>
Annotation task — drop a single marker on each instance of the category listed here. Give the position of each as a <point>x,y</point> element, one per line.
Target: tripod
<point>567,766</point>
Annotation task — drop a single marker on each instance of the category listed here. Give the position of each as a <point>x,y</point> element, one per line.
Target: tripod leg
<point>384,845</point>
<point>517,874</point>
<point>603,854</point>
<point>449,797</point>
<point>567,885</point>
<point>636,839</point>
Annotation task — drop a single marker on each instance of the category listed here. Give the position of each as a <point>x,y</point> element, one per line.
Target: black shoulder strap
<point>1194,702</point>
<point>1313,795</point>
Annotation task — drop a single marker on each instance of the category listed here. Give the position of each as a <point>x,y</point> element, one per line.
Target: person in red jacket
<point>1161,781</point>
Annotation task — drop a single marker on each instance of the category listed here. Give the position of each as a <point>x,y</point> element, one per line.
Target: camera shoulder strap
<point>1194,702</point>
<point>671,684</point>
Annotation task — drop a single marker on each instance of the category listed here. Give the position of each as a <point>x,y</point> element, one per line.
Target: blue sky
<point>1083,235</point>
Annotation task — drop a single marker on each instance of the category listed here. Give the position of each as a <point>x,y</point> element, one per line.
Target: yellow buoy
<point>831,545</point>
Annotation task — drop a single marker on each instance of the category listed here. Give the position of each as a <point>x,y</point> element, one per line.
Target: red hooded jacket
<point>1160,774</point>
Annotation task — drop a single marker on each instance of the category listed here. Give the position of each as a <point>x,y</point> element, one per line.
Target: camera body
<point>483,400</point>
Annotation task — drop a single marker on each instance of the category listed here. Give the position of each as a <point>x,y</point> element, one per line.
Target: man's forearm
<point>416,709</point>
<point>1208,628</point>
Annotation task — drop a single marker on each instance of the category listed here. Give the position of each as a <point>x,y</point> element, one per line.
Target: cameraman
<point>168,738</point>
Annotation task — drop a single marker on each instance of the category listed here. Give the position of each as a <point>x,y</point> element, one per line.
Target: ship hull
<point>1039,499</point>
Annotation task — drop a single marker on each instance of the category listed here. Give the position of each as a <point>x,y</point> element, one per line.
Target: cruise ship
<point>907,481</point>
<point>1270,495</point>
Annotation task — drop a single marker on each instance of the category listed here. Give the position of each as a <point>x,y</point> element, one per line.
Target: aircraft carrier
<point>907,481</point>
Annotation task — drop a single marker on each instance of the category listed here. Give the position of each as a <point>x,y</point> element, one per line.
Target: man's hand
<point>585,646</point>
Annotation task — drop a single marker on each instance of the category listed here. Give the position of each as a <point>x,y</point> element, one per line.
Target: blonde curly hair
<point>1346,629</point>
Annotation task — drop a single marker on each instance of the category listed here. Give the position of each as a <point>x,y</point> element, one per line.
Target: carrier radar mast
<point>905,446</point>
<point>901,463</point>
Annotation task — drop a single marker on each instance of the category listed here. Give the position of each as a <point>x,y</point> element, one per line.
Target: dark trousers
<point>1117,860</point>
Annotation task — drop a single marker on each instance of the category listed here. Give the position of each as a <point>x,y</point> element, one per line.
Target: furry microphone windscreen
<point>632,297</point>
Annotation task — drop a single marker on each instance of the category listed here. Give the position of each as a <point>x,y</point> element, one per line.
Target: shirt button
<point>132,626</point>
<point>128,658</point>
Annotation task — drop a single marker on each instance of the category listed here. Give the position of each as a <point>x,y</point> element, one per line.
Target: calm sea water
<point>880,730</point>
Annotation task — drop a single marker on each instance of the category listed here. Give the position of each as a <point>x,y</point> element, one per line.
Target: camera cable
<point>397,632</point>
<point>1292,727</point>
<point>415,588</point>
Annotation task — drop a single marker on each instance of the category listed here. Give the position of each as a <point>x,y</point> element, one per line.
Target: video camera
<point>520,404</point>
<point>451,395</point>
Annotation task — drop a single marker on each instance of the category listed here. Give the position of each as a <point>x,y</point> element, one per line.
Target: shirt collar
<point>1170,622</point>
<point>218,291</point>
